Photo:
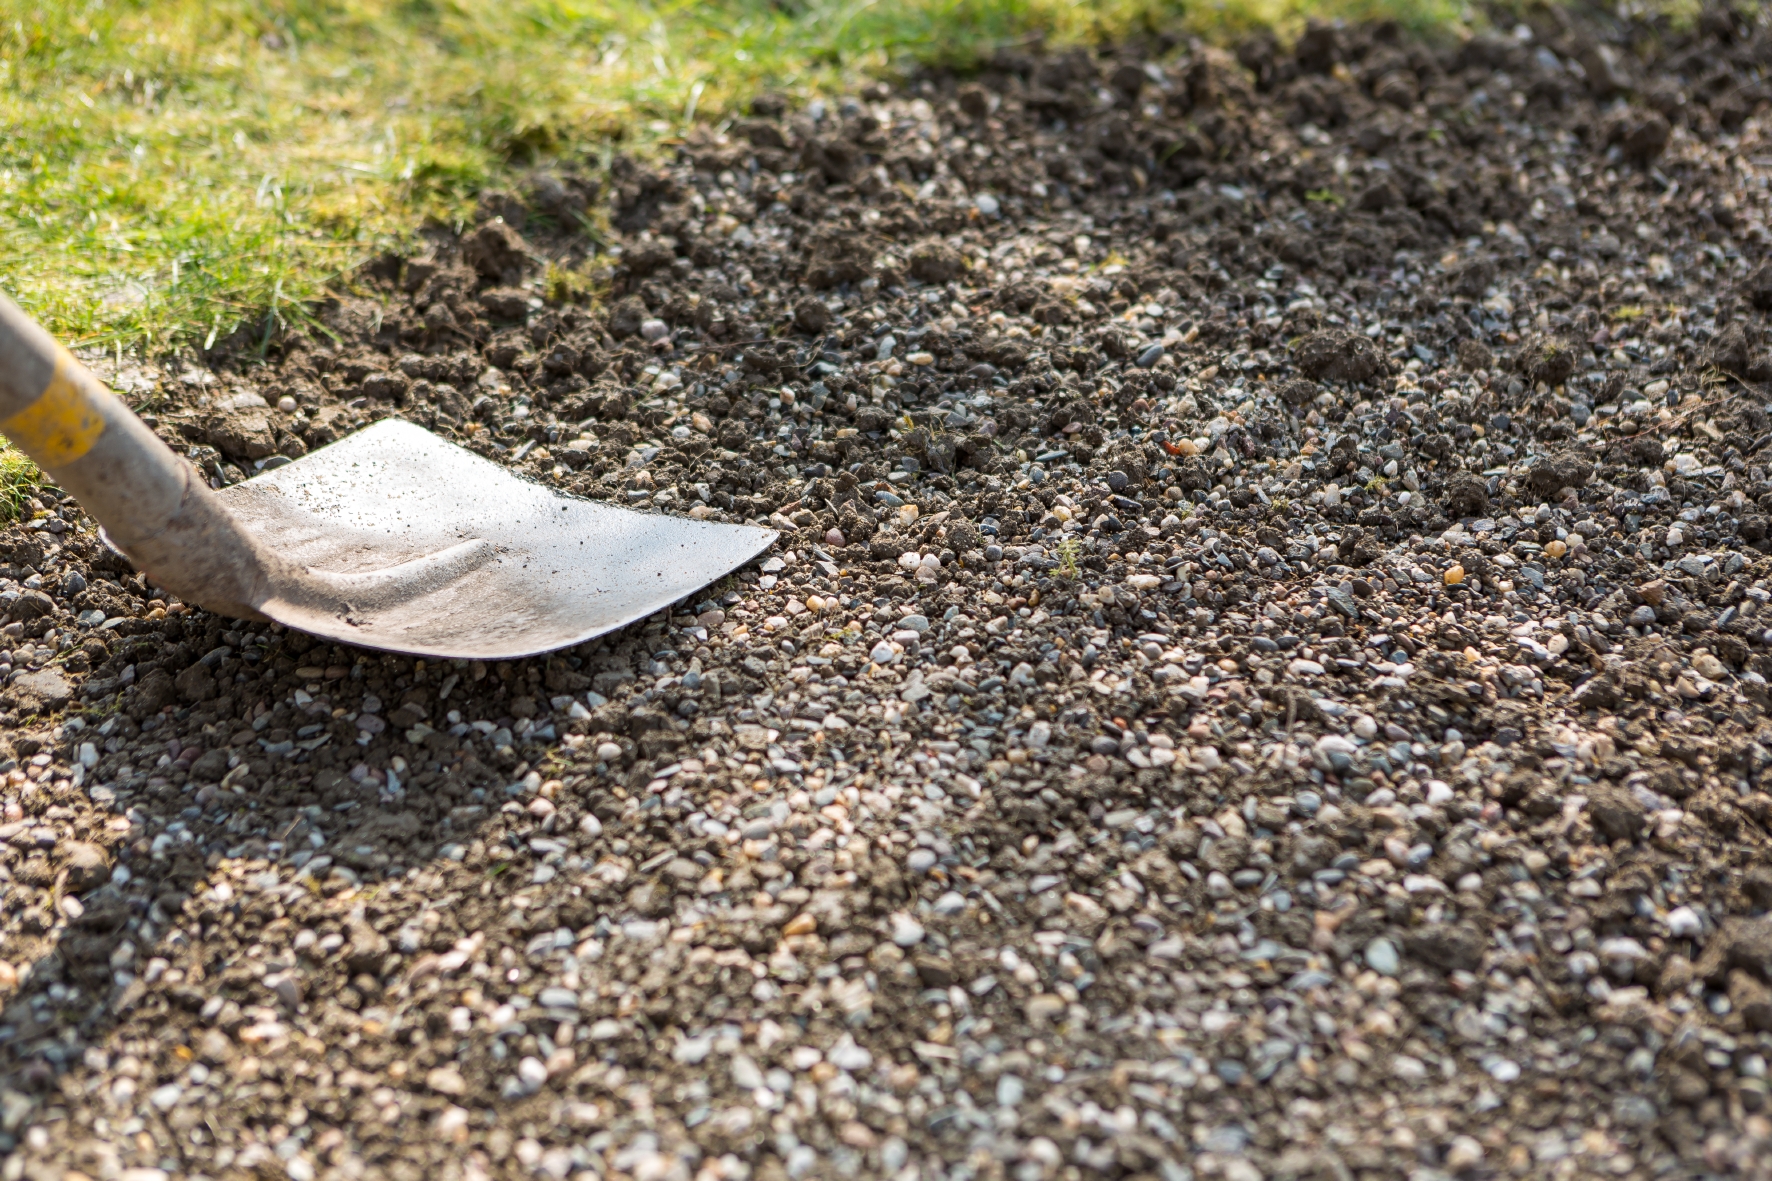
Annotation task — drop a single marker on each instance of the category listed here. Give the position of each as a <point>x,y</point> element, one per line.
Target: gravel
<point>1265,672</point>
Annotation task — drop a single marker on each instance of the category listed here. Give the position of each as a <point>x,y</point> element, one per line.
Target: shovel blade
<point>425,548</point>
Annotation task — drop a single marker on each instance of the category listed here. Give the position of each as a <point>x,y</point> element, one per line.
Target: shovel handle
<point>153,505</point>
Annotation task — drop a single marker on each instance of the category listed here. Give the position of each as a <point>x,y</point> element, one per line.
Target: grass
<point>19,480</point>
<point>1068,551</point>
<point>172,170</point>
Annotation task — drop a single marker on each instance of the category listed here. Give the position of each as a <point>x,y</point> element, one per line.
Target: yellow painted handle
<point>153,505</point>
<point>65,421</point>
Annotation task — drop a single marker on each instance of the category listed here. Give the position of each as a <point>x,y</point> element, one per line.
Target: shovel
<point>392,538</point>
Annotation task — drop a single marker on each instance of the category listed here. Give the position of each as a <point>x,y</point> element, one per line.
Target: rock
<point>1647,451</point>
<point>1382,957</point>
<point>1448,946</point>
<point>195,684</point>
<point>1607,70</point>
<point>41,692</point>
<point>87,865</point>
<point>1684,922</point>
<point>1378,196</point>
<point>1298,392</point>
<point>933,971</point>
<point>626,317</point>
<point>1640,134</point>
<point>1318,48</point>
<point>1757,287</point>
<point>1464,1154</point>
<point>1752,999</point>
<point>906,931</point>
<point>243,435</point>
<point>210,766</point>
<point>1546,359</point>
<point>1467,495</point>
<point>154,693</point>
<point>1474,354</point>
<point>936,262</point>
<point>1687,1086</point>
<point>1616,813</point>
<point>496,252</point>
<point>647,258</point>
<point>30,605</point>
<point>505,303</point>
<point>835,258</point>
<point>651,899</point>
<point>366,949</point>
<point>446,1080</point>
<point>1738,943</point>
<point>1552,474</point>
<point>1757,885</point>
<point>811,315</point>
<point>846,1055</point>
<point>1676,975</point>
<point>1340,356</point>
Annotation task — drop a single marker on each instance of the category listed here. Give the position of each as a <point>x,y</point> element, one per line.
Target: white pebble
<point>951,903</point>
<point>906,931</point>
<point>693,1051</point>
<point>846,1055</point>
<point>1684,923</point>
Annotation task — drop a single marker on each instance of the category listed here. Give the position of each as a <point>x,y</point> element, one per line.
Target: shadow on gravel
<point>227,750</point>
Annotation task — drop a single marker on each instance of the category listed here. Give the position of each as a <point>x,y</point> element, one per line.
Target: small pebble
<point>906,931</point>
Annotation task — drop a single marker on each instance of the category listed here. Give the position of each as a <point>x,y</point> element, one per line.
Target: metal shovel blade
<point>396,539</point>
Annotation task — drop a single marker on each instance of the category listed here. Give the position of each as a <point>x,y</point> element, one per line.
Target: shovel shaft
<point>152,504</point>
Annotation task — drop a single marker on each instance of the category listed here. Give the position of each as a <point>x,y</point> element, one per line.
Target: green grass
<point>19,480</point>
<point>173,169</point>
<point>1068,551</point>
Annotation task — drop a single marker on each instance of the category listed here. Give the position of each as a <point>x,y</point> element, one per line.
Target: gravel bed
<point>1264,674</point>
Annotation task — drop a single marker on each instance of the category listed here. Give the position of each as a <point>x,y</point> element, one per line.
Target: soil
<point>1264,675</point>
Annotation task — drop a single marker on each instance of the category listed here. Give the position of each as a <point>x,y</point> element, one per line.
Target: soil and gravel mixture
<point>1264,675</point>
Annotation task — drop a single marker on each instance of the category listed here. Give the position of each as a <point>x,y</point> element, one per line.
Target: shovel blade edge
<point>414,545</point>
